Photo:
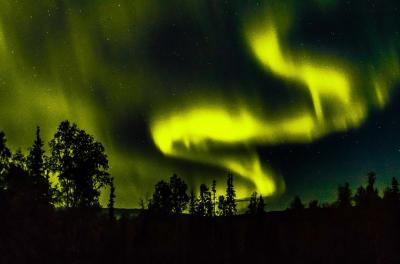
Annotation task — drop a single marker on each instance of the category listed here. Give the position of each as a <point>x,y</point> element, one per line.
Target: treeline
<point>75,159</point>
<point>172,198</point>
<point>80,166</point>
<point>365,197</point>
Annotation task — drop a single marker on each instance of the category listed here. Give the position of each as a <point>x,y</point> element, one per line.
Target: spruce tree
<point>360,197</point>
<point>161,200</point>
<point>313,205</point>
<point>391,196</point>
<point>192,203</point>
<point>230,202</point>
<point>36,168</point>
<point>221,205</point>
<point>5,158</point>
<point>214,196</point>
<point>368,197</point>
<point>252,207</point>
<point>111,200</point>
<point>371,193</point>
<point>204,205</point>
<point>179,197</point>
<point>344,196</point>
<point>297,204</point>
<point>260,206</point>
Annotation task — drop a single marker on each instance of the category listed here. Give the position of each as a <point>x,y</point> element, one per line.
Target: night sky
<point>293,97</point>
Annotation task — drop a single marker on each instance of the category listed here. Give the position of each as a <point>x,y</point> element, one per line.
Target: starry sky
<point>292,97</point>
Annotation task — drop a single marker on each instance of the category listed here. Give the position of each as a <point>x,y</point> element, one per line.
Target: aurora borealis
<point>293,97</point>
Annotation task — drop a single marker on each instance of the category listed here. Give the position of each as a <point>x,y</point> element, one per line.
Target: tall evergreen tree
<point>36,168</point>
<point>192,203</point>
<point>214,196</point>
<point>368,197</point>
<point>111,200</point>
<point>204,205</point>
<point>230,202</point>
<point>5,158</point>
<point>372,192</point>
<point>221,205</point>
<point>35,159</point>
<point>179,197</point>
<point>252,207</point>
<point>260,206</point>
<point>359,197</point>
<point>391,196</point>
<point>297,204</point>
<point>20,191</point>
<point>344,196</point>
<point>161,201</point>
<point>314,204</point>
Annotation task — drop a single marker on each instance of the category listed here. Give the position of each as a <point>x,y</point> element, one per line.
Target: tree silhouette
<point>344,196</point>
<point>5,156</point>
<point>221,205</point>
<point>20,193</point>
<point>80,164</point>
<point>391,197</point>
<point>36,168</point>
<point>204,204</point>
<point>261,206</point>
<point>214,196</point>
<point>230,202</point>
<point>296,204</point>
<point>161,202</point>
<point>179,197</point>
<point>314,204</point>
<point>169,197</point>
<point>359,197</point>
<point>252,207</point>
<point>368,197</point>
<point>256,205</point>
<point>111,200</point>
<point>192,203</point>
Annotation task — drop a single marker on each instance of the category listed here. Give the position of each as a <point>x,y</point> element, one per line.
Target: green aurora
<point>196,87</point>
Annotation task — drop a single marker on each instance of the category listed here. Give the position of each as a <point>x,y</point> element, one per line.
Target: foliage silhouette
<point>252,207</point>
<point>169,198</point>
<point>161,200</point>
<point>256,205</point>
<point>368,197</point>
<point>214,196</point>
<point>260,205</point>
<point>331,235</point>
<point>204,204</point>
<point>221,205</point>
<point>344,196</point>
<point>5,156</point>
<point>179,197</point>
<point>296,204</point>
<point>313,205</point>
<point>36,167</point>
<point>230,202</point>
<point>192,203</point>
<point>111,200</point>
<point>391,197</point>
<point>80,164</point>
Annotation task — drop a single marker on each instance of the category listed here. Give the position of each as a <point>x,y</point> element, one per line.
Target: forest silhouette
<point>63,222</point>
